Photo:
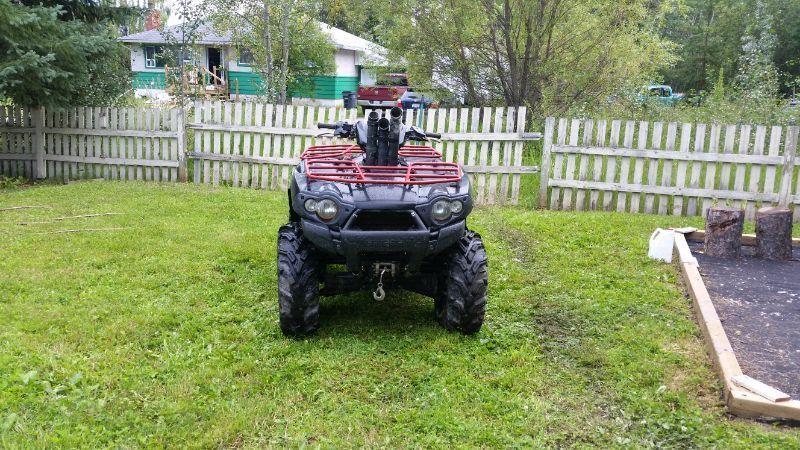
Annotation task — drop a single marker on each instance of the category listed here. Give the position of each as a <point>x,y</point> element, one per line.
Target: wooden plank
<point>755,170</point>
<point>40,170</point>
<point>247,143</point>
<point>638,165</point>
<point>583,165</point>
<point>236,136</point>
<point>217,139</point>
<point>744,147</point>
<point>140,152</point>
<point>666,167</point>
<point>557,174</point>
<point>717,342</point>
<point>288,147</point>
<point>785,197</point>
<point>652,168</point>
<point>155,153</point>
<point>663,190</point>
<point>625,166</point>
<point>113,142</point>
<point>549,131</point>
<point>99,160</point>
<point>132,117</point>
<point>227,138</point>
<point>757,387</point>
<point>775,139</point>
<point>518,148</point>
<point>725,170</point>
<point>574,133</point>
<point>462,127</point>
<point>680,176</point>
<point>597,164</point>
<point>104,132</point>
<point>17,157</point>
<point>694,180</point>
<point>197,167</point>
<point>257,146</point>
<point>483,159</point>
<point>495,149</point>
<point>267,145</point>
<point>671,155</point>
<point>711,166</point>
<point>611,164</point>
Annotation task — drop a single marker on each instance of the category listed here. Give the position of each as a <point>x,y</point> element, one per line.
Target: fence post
<point>40,169</point>
<point>787,176</point>
<point>544,171</point>
<point>180,127</point>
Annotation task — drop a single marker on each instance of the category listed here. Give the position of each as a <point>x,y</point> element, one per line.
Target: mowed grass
<point>165,334</point>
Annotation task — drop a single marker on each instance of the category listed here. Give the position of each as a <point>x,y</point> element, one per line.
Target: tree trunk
<point>774,233</point>
<point>287,9</point>
<point>724,228</point>
<point>268,46</point>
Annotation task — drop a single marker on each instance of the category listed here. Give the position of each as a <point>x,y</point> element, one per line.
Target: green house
<point>222,68</point>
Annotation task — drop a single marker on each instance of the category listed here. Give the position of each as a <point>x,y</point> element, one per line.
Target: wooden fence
<point>80,143</point>
<point>254,145</point>
<point>667,168</point>
<point>640,167</point>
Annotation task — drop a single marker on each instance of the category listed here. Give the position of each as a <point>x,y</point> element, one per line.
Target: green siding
<point>325,87</point>
<point>149,80</point>
<point>245,83</point>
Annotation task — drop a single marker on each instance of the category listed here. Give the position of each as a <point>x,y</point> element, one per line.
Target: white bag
<point>661,242</point>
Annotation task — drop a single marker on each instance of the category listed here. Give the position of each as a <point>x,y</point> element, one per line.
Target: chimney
<point>153,20</point>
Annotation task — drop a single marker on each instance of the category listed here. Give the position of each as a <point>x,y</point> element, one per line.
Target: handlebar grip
<point>433,135</point>
<point>328,126</point>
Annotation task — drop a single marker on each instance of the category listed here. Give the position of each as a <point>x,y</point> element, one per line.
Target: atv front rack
<point>337,163</point>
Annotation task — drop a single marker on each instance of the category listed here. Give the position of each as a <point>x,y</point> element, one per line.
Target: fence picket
<point>638,166</point>
<point>680,176</point>
<point>625,165</point>
<point>694,180</point>
<point>583,165</point>
<point>711,167</point>
<point>597,166</point>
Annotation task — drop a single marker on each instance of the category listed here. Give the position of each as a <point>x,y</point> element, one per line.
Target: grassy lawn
<point>165,333</point>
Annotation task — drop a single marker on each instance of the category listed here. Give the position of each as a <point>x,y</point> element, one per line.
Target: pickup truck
<point>660,93</point>
<point>385,94</point>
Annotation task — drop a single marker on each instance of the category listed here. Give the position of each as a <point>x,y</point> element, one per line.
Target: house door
<point>215,61</point>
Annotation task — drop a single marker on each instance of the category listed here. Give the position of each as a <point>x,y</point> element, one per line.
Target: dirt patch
<point>758,303</point>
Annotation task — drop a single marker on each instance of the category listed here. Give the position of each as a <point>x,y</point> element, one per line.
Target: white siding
<point>345,63</point>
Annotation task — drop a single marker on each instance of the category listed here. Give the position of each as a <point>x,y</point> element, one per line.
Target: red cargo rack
<point>352,150</point>
<point>336,163</point>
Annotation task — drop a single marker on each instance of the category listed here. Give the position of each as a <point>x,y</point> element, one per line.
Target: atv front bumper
<point>359,247</point>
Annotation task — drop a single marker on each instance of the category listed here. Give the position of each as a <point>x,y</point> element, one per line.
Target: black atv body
<point>393,216</point>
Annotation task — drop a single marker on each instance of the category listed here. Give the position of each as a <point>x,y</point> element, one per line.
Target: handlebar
<point>326,126</point>
<point>433,135</point>
<point>348,130</point>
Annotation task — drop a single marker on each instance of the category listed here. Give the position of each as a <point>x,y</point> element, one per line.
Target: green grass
<point>165,334</point>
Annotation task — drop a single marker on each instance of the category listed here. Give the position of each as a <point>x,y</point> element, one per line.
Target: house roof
<point>207,35</point>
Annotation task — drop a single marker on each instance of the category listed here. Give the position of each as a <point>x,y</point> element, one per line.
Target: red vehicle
<point>386,93</point>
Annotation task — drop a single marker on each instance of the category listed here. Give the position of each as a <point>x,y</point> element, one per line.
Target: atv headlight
<point>327,209</point>
<point>456,206</point>
<point>441,211</point>
<point>310,205</point>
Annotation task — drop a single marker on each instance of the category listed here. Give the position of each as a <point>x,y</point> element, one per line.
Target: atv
<point>380,213</point>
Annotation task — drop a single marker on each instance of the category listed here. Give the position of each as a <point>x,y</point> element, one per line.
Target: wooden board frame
<point>739,401</point>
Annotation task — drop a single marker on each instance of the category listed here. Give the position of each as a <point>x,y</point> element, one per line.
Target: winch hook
<point>379,294</point>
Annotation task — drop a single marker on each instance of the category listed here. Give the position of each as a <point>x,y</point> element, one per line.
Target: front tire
<point>298,282</point>
<point>461,301</point>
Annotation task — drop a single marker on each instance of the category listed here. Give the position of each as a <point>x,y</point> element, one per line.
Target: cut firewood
<point>724,232</point>
<point>774,233</point>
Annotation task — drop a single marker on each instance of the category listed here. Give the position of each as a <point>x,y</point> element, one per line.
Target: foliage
<point>544,53</point>
<point>728,35</point>
<point>164,334</point>
<point>46,61</point>
<point>758,77</point>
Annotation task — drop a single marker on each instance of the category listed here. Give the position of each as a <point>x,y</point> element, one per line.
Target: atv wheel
<point>298,282</point>
<point>461,302</point>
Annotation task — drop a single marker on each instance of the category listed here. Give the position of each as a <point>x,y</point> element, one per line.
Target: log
<point>724,228</point>
<point>774,233</point>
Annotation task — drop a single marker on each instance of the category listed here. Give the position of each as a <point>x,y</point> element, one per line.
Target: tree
<point>548,54</point>
<point>758,76</point>
<point>46,61</point>
<point>285,40</point>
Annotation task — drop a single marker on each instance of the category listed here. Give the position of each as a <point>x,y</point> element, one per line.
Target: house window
<point>245,57</point>
<point>153,57</point>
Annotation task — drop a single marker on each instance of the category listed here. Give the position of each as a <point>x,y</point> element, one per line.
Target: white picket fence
<point>81,143</point>
<point>668,168</point>
<point>251,144</point>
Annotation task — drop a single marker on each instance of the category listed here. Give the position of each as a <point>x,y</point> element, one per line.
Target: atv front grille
<point>384,220</point>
